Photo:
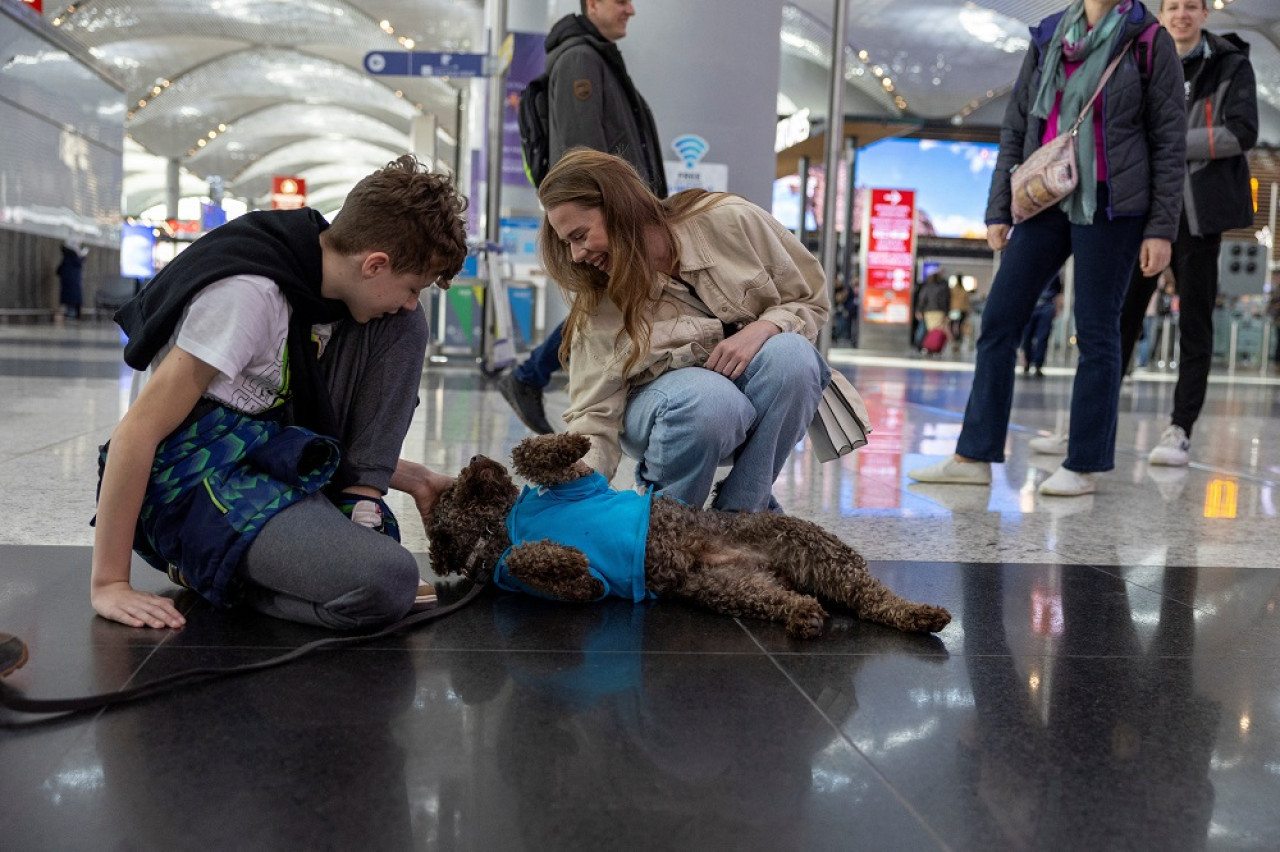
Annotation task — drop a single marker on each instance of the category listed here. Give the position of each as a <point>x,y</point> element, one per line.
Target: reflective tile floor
<point>1111,679</point>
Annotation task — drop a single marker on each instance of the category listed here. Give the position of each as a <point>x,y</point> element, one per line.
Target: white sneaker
<point>1068,483</point>
<point>1049,445</point>
<point>949,471</point>
<point>1172,449</point>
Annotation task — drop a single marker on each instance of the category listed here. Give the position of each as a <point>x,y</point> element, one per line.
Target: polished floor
<point>1111,679</point>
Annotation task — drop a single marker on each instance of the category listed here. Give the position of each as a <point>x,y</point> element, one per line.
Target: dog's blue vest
<point>609,527</point>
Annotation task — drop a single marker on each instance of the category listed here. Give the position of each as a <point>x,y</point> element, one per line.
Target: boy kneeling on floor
<point>285,358</point>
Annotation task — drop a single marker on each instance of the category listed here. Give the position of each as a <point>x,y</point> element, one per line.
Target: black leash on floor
<point>14,700</point>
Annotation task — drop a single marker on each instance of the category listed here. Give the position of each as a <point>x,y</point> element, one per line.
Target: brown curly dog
<point>759,565</point>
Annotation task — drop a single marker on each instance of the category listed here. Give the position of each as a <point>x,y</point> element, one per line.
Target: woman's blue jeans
<point>689,421</point>
<point>1105,253</point>
<point>543,361</point>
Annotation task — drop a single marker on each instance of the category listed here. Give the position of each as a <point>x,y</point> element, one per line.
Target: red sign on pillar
<point>38,5</point>
<point>288,193</point>
<point>888,255</point>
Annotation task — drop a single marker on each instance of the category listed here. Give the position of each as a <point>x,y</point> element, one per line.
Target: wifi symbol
<point>691,149</point>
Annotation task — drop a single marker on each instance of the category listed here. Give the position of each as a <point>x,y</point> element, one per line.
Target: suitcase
<point>934,341</point>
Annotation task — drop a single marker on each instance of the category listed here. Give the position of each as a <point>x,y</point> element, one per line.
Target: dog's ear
<point>440,534</point>
<point>440,548</point>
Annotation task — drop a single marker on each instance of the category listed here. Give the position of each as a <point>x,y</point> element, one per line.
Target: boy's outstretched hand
<point>421,483</point>
<point>121,602</point>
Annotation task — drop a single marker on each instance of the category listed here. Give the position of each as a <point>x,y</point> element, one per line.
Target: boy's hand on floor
<point>125,604</point>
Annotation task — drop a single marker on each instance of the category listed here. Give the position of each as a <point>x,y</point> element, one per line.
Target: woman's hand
<point>1154,257</point>
<point>998,236</point>
<point>121,602</point>
<point>732,355</point>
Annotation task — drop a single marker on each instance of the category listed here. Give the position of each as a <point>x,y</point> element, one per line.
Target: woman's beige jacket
<point>743,265</point>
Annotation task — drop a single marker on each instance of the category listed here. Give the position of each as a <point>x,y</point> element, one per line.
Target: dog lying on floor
<point>576,539</point>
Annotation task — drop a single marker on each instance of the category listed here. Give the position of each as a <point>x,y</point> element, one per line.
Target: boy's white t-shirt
<point>240,326</point>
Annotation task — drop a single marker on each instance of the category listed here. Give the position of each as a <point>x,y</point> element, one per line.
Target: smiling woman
<point>584,233</point>
<point>690,332</point>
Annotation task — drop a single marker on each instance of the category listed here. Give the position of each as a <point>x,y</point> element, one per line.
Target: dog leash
<point>14,700</point>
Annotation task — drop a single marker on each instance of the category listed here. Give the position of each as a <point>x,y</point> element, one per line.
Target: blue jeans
<point>688,421</point>
<point>1105,253</point>
<point>544,360</point>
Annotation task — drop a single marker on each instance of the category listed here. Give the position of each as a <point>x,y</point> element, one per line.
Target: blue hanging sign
<point>399,63</point>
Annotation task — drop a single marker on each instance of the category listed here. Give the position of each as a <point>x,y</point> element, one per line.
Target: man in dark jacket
<point>1222,123</point>
<point>591,103</point>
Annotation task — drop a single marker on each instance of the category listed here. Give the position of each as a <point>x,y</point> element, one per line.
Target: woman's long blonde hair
<point>598,181</point>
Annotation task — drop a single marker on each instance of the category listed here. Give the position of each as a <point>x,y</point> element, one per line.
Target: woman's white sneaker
<point>1049,445</point>
<point>949,471</point>
<point>1068,483</point>
<point>1173,449</point>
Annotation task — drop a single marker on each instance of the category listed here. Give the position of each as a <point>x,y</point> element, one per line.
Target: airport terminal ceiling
<point>245,89</point>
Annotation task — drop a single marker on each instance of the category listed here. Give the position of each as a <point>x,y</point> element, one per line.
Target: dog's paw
<point>930,619</point>
<point>551,459</point>
<point>806,620</point>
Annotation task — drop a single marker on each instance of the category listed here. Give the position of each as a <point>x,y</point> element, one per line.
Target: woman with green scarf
<point>1130,161</point>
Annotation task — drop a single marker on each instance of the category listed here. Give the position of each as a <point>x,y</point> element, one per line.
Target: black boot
<point>526,401</point>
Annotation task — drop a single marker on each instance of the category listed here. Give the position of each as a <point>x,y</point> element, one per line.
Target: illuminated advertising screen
<point>950,181</point>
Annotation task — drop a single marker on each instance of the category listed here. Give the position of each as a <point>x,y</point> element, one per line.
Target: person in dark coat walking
<point>71,278</point>
<point>932,301</point>
<point>1035,338</point>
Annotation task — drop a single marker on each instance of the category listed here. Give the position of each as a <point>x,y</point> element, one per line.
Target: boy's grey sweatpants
<point>311,563</point>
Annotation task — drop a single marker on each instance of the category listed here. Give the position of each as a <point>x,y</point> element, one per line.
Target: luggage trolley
<point>473,319</point>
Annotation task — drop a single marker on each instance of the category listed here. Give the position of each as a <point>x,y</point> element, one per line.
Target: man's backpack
<point>535,135</point>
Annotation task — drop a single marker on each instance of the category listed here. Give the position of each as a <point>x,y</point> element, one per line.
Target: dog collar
<point>474,556</point>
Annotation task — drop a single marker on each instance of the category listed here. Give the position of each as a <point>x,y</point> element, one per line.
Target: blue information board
<point>406,63</point>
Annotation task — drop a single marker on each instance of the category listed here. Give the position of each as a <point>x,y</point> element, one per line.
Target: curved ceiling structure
<point>953,62</point>
<point>243,89</point>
